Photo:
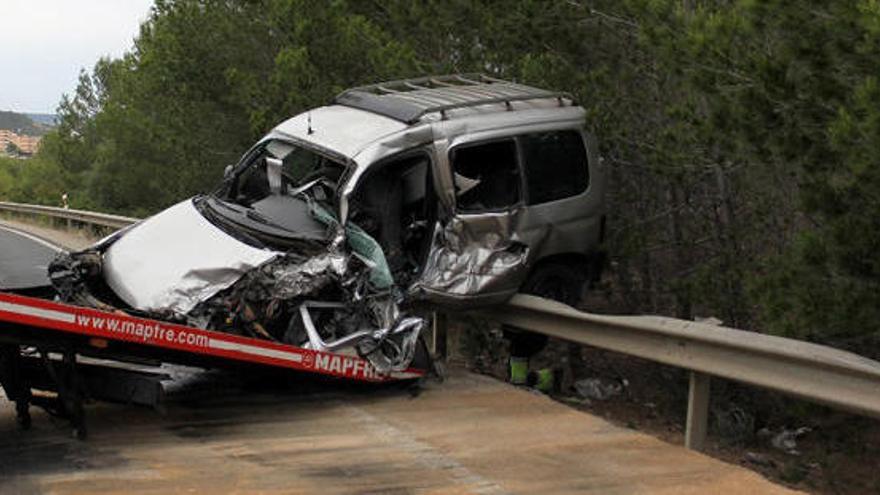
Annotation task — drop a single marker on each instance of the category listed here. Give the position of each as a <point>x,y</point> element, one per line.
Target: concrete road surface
<point>471,434</point>
<point>23,260</point>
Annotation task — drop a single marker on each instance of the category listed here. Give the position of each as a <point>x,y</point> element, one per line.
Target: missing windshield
<point>267,197</point>
<point>281,168</point>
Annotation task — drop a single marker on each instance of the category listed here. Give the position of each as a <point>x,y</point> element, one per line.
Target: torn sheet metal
<point>363,245</point>
<point>293,283</point>
<point>262,302</point>
<point>394,348</point>
<point>474,255</point>
<point>290,276</point>
<point>388,349</point>
<point>196,260</point>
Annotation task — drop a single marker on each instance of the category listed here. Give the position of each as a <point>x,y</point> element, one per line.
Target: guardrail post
<point>440,335</point>
<point>698,411</point>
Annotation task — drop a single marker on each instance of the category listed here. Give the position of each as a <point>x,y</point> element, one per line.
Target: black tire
<point>563,283</point>
<point>556,281</point>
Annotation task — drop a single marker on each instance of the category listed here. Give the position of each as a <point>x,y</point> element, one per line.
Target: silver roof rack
<point>408,100</point>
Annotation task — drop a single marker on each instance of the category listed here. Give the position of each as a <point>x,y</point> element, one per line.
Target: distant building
<point>27,145</point>
<point>5,139</point>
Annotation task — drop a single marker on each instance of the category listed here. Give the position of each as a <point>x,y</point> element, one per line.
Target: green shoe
<point>545,379</point>
<point>519,370</point>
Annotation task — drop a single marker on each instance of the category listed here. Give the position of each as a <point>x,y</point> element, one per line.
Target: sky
<point>45,43</point>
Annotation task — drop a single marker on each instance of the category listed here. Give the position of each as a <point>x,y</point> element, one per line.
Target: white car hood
<point>176,259</point>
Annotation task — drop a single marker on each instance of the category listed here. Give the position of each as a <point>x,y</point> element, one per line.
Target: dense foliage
<point>742,136</point>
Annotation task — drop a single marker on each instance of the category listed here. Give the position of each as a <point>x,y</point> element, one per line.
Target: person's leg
<point>14,383</point>
<point>523,346</point>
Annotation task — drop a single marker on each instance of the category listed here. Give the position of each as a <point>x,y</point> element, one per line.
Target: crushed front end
<point>268,261</point>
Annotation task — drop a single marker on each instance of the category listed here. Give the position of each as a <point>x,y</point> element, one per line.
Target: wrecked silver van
<point>456,190</point>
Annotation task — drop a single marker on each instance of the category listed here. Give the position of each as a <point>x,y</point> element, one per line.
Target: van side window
<point>486,176</point>
<point>555,165</point>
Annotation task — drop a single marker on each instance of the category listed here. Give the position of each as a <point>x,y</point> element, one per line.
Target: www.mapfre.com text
<point>147,332</point>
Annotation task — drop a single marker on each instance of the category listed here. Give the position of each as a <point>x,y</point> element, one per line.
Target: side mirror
<point>227,172</point>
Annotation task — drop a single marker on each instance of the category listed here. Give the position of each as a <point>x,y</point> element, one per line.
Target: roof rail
<point>407,100</point>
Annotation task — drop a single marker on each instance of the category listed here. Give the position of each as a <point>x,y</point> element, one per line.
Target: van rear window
<point>555,165</point>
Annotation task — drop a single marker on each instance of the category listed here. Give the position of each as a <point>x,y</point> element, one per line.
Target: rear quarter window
<point>555,165</point>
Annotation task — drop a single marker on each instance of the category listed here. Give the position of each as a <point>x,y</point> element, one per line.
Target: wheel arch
<point>589,264</point>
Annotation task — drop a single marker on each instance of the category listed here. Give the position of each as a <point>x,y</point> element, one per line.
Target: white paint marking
<point>36,239</point>
<point>48,314</point>
<point>254,350</point>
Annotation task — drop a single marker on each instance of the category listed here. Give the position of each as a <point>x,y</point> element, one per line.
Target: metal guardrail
<point>80,216</point>
<point>809,371</point>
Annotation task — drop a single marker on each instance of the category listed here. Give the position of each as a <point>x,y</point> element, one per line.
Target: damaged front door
<point>395,203</point>
<point>476,257</point>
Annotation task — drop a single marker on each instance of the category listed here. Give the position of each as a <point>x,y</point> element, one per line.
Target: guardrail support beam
<point>698,411</point>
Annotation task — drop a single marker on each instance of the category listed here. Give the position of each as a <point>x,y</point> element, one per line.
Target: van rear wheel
<point>563,283</point>
<point>559,282</point>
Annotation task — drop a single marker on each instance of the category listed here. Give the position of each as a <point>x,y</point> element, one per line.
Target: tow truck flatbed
<point>58,329</point>
<point>32,321</point>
